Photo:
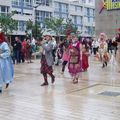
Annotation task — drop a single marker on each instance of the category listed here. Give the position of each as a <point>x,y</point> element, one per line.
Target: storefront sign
<point>112,4</point>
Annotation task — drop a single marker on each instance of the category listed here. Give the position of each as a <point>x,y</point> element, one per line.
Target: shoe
<point>44,84</point>
<point>103,65</point>
<point>57,64</point>
<point>53,79</point>
<point>106,64</point>
<point>7,85</point>
<point>0,91</point>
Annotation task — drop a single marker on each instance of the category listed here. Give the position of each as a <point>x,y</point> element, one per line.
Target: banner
<point>113,4</point>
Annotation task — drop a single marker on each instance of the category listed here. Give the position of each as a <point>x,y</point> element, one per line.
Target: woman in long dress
<point>74,65</point>
<point>6,65</point>
<point>85,56</point>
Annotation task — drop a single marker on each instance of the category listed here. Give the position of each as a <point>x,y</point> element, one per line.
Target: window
<point>44,2</point>
<point>79,20</point>
<point>27,3</point>
<point>41,15</point>
<point>57,7</point>
<point>64,8</point>
<point>72,8</point>
<point>78,9</point>
<point>16,2</point>
<point>4,9</point>
<point>21,25</point>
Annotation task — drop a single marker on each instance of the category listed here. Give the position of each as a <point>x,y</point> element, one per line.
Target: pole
<point>35,23</point>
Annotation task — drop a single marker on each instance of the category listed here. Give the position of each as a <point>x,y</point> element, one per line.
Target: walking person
<point>6,65</point>
<point>65,57</point>
<point>103,50</point>
<point>95,46</point>
<point>47,60</point>
<point>74,65</point>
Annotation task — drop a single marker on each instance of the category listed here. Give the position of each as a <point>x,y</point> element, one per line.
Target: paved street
<point>96,97</point>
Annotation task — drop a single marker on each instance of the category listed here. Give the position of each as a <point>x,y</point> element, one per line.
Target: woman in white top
<point>104,57</point>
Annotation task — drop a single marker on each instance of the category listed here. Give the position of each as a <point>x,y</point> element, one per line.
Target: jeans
<point>18,56</point>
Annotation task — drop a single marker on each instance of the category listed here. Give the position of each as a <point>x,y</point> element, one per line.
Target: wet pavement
<point>95,97</point>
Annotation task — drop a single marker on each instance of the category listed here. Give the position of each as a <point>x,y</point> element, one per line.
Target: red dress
<point>85,55</point>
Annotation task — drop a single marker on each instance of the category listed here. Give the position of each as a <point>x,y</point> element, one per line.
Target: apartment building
<point>82,12</point>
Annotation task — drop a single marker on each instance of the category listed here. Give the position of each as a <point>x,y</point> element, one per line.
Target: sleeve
<point>6,51</point>
<point>47,47</point>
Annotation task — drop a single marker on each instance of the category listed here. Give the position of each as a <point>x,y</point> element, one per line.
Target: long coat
<point>6,65</point>
<point>48,47</point>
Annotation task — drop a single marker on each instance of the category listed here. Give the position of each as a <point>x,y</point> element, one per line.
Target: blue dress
<point>6,65</point>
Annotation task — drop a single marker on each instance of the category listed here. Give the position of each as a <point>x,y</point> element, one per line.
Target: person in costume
<point>6,65</point>
<point>103,49</point>
<point>118,50</point>
<point>85,55</point>
<point>74,65</point>
<point>47,60</point>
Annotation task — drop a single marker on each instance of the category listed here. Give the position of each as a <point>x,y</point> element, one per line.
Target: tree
<point>55,25</point>
<point>7,23</point>
<point>36,30</point>
<point>69,27</point>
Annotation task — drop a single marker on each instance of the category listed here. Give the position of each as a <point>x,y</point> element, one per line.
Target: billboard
<point>112,4</point>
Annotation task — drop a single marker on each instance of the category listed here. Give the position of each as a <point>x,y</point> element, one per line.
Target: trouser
<point>63,65</point>
<point>45,76</point>
<point>18,56</point>
<point>95,50</point>
<point>53,53</point>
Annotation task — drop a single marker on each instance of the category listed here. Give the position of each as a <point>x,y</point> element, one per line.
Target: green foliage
<point>7,23</point>
<point>54,24</point>
<point>69,27</point>
<point>37,31</point>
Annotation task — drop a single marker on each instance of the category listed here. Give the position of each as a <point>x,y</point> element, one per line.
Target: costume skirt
<point>44,66</point>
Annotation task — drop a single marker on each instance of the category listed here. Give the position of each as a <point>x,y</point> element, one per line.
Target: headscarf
<point>2,37</point>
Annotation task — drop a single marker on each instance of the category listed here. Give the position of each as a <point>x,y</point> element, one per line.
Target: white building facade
<point>82,12</point>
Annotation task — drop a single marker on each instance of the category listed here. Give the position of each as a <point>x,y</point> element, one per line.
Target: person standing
<point>6,65</point>
<point>17,49</point>
<point>28,51</point>
<point>74,65</point>
<point>95,46</point>
<point>47,60</point>
<point>85,55</point>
